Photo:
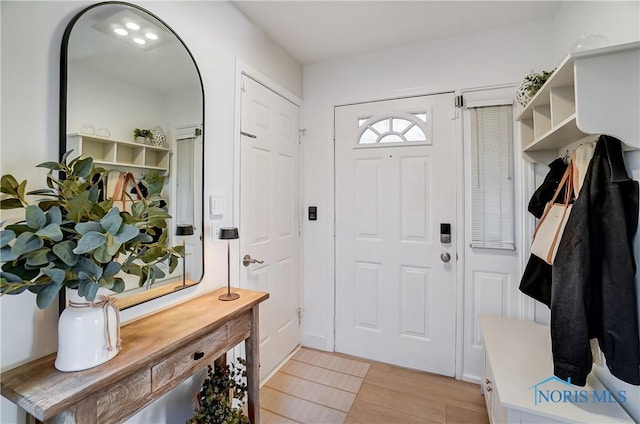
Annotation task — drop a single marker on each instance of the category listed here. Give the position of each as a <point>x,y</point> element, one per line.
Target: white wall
<point>475,60</point>
<point>618,21</point>
<point>216,33</point>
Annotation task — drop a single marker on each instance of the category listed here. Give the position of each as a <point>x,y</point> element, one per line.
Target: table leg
<point>251,345</point>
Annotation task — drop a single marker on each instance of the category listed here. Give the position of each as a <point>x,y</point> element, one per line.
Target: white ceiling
<point>314,31</point>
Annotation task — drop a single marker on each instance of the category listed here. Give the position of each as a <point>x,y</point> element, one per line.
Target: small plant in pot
<point>531,84</point>
<point>142,135</point>
<point>73,238</point>
<point>215,401</point>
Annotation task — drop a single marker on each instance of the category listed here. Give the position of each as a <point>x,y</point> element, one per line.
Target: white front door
<point>395,185</point>
<point>270,216</point>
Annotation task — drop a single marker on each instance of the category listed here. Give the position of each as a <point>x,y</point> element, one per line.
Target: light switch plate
<point>216,204</point>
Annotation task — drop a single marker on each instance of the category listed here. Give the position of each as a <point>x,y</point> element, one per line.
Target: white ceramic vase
<point>88,332</point>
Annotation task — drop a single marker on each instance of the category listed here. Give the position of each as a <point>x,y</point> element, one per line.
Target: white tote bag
<point>550,228</point>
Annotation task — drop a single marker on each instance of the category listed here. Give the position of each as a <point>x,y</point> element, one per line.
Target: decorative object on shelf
<point>103,132</point>
<point>590,41</point>
<point>214,402</point>
<point>80,346</point>
<point>158,137</point>
<point>530,86</point>
<point>73,239</point>
<point>87,129</point>
<point>142,135</point>
<point>228,233</point>
<point>184,231</point>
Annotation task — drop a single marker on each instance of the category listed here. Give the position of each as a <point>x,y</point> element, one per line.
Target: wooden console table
<point>158,353</point>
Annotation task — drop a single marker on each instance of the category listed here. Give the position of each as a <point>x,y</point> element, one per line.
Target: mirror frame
<point>62,133</point>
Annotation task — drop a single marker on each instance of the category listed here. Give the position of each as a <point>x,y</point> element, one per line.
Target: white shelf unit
<point>518,359</point>
<point>111,153</point>
<point>591,92</point>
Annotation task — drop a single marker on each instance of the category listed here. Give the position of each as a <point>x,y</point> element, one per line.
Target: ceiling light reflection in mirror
<point>131,27</point>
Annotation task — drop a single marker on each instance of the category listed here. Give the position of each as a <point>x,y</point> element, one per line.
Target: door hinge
<point>459,101</point>
<point>299,317</point>
<point>198,132</point>
<point>301,133</point>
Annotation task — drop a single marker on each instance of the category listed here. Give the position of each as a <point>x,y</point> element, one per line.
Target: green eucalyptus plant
<point>215,400</point>
<point>72,238</point>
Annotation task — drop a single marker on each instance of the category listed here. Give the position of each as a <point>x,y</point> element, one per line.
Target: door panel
<point>269,216</point>
<point>395,298</point>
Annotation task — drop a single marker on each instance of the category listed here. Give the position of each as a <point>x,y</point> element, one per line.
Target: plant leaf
<point>88,289</point>
<point>82,168</point>
<point>43,192</point>
<point>84,227</point>
<point>51,231</point>
<point>19,270</point>
<point>142,238</point>
<point>90,269</point>
<point>11,284</point>
<point>89,242</point>
<point>102,255</point>
<point>35,218</point>
<point>173,263</point>
<point>39,257</point>
<point>126,233</point>
<point>54,166</point>
<point>54,216</point>
<point>66,155</point>
<point>112,221</point>
<point>64,251</point>
<point>45,297</point>
<point>112,269</point>
<point>8,185</point>
<point>118,285</point>
<point>5,237</point>
<point>10,204</point>
<point>7,255</point>
<point>55,274</point>
<point>25,243</point>
<point>80,206</point>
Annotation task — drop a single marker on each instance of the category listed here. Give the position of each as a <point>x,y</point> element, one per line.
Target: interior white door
<point>395,174</point>
<point>188,175</point>
<point>270,216</point>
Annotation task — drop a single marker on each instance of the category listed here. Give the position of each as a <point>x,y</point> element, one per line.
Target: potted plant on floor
<point>75,239</point>
<point>215,401</point>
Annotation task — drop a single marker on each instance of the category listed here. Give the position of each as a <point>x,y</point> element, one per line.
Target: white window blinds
<point>492,191</point>
<point>185,169</point>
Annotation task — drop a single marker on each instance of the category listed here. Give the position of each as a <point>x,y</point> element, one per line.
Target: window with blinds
<point>492,191</point>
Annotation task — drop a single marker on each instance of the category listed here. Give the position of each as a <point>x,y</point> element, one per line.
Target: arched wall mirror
<point>122,70</point>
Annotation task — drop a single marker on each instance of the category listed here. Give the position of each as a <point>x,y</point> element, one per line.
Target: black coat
<point>593,294</point>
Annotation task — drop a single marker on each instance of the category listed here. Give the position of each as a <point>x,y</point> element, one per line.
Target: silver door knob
<point>248,260</point>
<point>445,256</point>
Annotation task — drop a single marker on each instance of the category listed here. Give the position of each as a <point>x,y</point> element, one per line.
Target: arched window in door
<point>400,128</point>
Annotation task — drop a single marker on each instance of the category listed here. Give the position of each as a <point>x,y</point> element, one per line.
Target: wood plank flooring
<point>327,388</point>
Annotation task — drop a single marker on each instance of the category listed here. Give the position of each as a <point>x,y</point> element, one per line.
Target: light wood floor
<point>324,388</point>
